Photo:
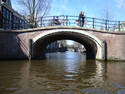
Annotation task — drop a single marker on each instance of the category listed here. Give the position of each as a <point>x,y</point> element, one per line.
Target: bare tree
<point>108,17</point>
<point>34,9</point>
<point>107,14</point>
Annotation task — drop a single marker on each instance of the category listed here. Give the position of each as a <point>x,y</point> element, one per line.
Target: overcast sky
<point>92,8</point>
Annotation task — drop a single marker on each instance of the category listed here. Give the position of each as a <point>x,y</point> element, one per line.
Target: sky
<point>91,8</point>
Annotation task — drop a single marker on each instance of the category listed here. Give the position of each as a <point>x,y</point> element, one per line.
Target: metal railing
<point>95,23</point>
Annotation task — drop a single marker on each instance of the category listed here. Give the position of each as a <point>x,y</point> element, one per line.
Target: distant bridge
<point>99,44</point>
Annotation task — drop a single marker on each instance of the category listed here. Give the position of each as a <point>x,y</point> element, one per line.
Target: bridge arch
<point>93,46</point>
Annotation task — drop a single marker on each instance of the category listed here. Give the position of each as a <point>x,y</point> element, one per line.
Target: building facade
<point>9,18</point>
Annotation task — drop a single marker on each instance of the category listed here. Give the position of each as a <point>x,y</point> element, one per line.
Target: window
<point>4,12</point>
<point>7,11</point>
<point>10,16</point>
<point>4,23</point>
<point>10,21</point>
<point>8,2</point>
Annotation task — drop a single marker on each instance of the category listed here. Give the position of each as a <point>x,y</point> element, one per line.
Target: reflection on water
<point>62,73</point>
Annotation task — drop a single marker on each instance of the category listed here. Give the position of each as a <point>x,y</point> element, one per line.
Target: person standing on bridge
<point>56,21</point>
<point>81,19</point>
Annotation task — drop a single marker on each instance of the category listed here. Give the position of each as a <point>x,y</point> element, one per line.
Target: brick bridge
<point>99,44</point>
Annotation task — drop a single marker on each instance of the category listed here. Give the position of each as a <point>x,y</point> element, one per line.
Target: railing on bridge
<point>95,23</point>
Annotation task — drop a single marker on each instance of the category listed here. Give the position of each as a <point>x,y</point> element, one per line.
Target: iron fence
<point>95,23</point>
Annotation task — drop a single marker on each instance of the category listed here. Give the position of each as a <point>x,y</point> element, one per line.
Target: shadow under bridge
<point>92,44</point>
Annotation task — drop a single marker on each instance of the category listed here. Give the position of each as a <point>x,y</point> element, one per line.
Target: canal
<point>62,73</point>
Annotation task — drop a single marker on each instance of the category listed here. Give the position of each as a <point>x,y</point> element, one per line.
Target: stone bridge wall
<point>15,44</point>
<point>115,44</point>
<point>10,47</point>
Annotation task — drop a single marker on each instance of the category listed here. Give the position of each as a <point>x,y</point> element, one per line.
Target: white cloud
<point>120,3</point>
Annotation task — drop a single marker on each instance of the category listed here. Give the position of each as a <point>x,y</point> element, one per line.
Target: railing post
<point>119,26</point>
<point>106,28</point>
<point>53,21</point>
<point>69,23</point>
<point>42,21</point>
<point>93,23</point>
<point>66,20</point>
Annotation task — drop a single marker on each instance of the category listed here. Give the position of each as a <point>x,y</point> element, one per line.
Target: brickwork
<point>15,44</point>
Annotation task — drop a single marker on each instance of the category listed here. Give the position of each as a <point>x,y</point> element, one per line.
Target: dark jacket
<point>81,17</point>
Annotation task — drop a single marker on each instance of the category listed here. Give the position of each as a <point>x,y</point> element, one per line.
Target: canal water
<point>62,73</point>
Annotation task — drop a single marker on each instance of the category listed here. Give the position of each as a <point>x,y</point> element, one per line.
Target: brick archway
<point>94,46</point>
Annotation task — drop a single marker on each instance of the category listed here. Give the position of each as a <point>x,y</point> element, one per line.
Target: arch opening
<point>65,45</point>
<point>40,45</point>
